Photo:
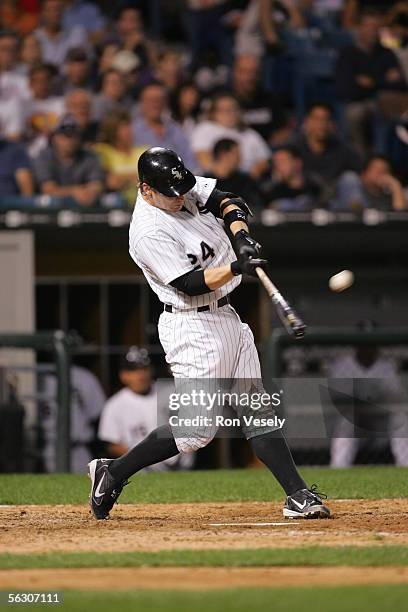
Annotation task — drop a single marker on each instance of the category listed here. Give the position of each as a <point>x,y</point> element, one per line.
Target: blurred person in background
<point>185,106</point>
<point>225,168</point>
<point>169,70</point>
<point>363,70</point>
<point>153,126</point>
<point>375,187</point>
<point>30,54</point>
<point>67,169</point>
<point>16,176</point>
<point>113,93</point>
<point>375,383</point>
<point>76,72</point>
<point>118,155</point>
<point>395,35</point>
<point>225,121</point>
<point>87,401</point>
<point>43,109</point>
<point>261,110</point>
<point>78,103</point>
<point>210,26</point>
<point>290,188</point>
<point>278,20</point>
<point>132,413</point>
<point>19,15</point>
<point>129,34</point>
<point>13,87</point>
<point>325,156</point>
<point>85,14</point>
<point>55,40</point>
<point>129,66</point>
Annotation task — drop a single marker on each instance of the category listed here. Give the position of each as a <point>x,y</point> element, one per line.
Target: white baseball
<point>341,281</point>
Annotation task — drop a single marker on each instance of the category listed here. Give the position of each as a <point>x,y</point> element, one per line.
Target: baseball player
<point>178,237</point>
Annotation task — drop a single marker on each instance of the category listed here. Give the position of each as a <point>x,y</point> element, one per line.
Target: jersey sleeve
<point>109,425</point>
<point>203,188</point>
<point>161,256</point>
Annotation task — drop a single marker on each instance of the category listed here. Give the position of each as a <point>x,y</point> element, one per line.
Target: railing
<point>59,344</point>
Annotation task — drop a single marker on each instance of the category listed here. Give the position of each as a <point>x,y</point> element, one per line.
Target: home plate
<point>275,524</point>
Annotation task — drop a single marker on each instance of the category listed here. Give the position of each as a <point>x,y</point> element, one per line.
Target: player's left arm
<point>234,211</point>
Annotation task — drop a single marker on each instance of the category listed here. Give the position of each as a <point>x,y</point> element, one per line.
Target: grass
<point>368,556</point>
<point>306,599</point>
<point>217,486</point>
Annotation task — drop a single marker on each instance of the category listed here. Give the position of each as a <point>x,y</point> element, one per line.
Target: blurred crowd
<point>293,104</point>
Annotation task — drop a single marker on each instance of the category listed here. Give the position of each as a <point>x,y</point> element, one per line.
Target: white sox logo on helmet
<point>176,174</point>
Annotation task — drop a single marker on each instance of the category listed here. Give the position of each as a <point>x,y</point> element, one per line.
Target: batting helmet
<point>165,171</point>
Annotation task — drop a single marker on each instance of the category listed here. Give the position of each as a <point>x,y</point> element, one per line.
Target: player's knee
<point>191,444</point>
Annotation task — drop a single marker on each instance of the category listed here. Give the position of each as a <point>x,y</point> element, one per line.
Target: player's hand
<point>246,246</point>
<point>248,266</point>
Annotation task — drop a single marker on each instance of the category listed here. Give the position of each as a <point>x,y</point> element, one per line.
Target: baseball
<point>341,281</point>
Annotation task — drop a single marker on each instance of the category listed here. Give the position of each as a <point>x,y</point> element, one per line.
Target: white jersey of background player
<point>178,238</point>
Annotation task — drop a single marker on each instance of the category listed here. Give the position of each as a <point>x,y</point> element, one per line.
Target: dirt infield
<point>199,578</point>
<point>153,527</point>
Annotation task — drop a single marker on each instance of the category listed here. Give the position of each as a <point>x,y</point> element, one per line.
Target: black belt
<point>221,302</point>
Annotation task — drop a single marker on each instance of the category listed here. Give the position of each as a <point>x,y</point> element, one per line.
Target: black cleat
<point>104,489</point>
<point>306,503</point>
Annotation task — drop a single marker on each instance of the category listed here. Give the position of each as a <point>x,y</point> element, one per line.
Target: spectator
<point>128,65</point>
<point>277,22</point>
<point>395,37</point>
<point>118,155</point>
<point>363,70</point>
<point>130,35</point>
<point>76,72</point>
<point>84,14</point>
<point>207,28</point>
<point>66,169</point>
<point>56,40</point>
<point>78,103</point>
<point>230,178</point>
<point>226,122</point>
<point>15,169</point>
<point>13,86</point>
<point>325,157</point>
<point>43,110</point>
<point>372,376</point>
<point>262,111</point>
<point>12,118</point>
<point>169,70</point>
<point>375,187</point>
<point>152,126</point>
<point>20,16</point>
<point>30,54</point>
<point>291,189</point>
<point>186,106</point>
<point>113,93</point>
<point>132,413</point>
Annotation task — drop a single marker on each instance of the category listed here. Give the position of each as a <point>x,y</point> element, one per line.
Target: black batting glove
<point>245,246</point>
<point>248,266</point>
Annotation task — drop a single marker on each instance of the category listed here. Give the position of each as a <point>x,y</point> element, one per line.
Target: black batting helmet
<point>165,171</point>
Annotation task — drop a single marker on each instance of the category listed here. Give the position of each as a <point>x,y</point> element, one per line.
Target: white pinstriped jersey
<point>166,245</point>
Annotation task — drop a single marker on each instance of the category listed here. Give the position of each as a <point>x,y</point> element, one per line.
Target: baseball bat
<point>292,322</point>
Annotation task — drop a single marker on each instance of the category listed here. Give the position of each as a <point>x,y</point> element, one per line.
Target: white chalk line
<point>274,524</point>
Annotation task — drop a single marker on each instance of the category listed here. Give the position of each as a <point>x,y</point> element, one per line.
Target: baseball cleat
<point>306,503</point>
<point>104,489</point>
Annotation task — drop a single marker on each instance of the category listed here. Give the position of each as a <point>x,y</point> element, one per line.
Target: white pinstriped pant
<point>215,346</point>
